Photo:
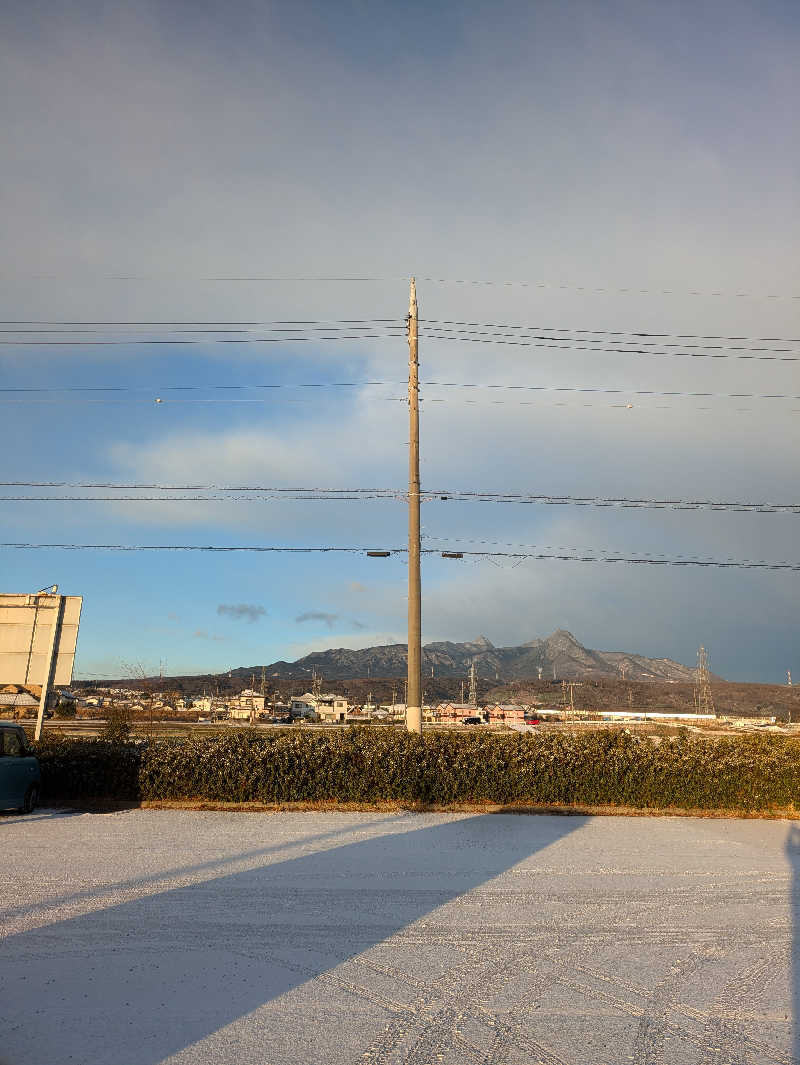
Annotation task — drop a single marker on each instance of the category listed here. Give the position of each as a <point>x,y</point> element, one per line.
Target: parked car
<point>472,721</point>
<point>20,775</point>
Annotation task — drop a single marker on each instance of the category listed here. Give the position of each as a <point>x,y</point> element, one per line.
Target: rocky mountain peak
<point>484,643</point>
<point>563,638</point>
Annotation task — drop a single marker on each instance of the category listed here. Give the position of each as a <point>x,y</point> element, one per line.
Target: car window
<point>12,743</point>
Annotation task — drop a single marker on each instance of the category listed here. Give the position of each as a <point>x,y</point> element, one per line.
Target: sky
<point>630,167</point>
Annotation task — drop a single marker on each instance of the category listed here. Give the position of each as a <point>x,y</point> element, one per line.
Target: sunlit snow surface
<point>141,937</point>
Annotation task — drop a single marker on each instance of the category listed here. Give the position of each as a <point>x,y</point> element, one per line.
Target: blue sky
<point>630,146</point>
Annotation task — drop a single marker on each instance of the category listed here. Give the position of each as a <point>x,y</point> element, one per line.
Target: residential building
<point>328,707</point>
<point>252,701</point>
<point>505,713</point>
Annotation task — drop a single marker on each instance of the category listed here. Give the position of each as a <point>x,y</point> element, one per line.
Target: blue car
<point>20,775</point>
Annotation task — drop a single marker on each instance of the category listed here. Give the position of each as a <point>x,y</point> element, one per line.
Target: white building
<point>252,701</point>
<point>328,707</point>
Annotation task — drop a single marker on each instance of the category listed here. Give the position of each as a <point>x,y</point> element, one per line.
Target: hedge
<point>364,765</point>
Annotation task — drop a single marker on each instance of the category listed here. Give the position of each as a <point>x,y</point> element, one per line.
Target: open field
<point>144,937</point>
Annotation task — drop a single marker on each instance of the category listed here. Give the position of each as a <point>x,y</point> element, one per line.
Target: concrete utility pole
<point>414,697</point>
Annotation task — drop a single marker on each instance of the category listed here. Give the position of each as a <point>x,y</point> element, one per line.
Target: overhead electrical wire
<point>513,555</point>
<point>138,341</point>
<point>627,290</point>
<point>603,332</point>
<point>583,343</point>
<point>322,322</point>
<point>656,556</point>
<point>154,390</point>
<point>565,344</point>
<point>513,283</point>
<point>456,326</point>
<point>427,495</point>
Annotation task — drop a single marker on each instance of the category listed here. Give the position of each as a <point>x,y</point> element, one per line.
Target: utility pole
<point>414,699</point>
<point>473,686</point>
<point>703,699</point>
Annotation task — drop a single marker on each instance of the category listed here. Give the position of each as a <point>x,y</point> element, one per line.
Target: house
<point>506,713</point>
<point>303,705</point>
<point>332,707</point>
<point>327,707</point>
<point>249,700</point>
<point>453,713</point>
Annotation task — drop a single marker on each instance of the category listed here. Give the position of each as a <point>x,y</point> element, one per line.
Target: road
<point>141,937</point>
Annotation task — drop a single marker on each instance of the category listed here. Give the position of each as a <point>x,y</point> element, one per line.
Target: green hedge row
<point>363,765</point>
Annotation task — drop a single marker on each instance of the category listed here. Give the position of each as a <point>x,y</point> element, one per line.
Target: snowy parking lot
<point>139,937</point>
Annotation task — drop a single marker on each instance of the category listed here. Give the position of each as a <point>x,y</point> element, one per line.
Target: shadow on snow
<point>138,981</point>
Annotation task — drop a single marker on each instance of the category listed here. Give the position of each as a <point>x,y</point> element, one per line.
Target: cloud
<point>317,615</point>
<point>242,611</point>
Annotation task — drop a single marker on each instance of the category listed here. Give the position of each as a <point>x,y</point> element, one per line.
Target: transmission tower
<point>316,684</point>
<point>703,699</point>
<point>473,686</point>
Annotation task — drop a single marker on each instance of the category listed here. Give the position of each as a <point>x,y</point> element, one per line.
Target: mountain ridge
<point>560,656</point>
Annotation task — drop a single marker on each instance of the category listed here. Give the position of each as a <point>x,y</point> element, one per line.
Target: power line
<point>156,389</point>
<point>427,495</point>
<point>441,326</point>
<point>137,341</point>
<point>564,344</point>
<point>305,497</point>
<point>590,390</point>
<point>621,502</point>
<point>647,555</point>
<point>513,283</point>
<point>322,322</point>
<point>330,323</point>
<point>568,342</point>
<point>613,391</point>
<point>631,290</point>
<point>607,332</point>
<point>180,488</point>
<point>547,343</point>
<point>466,336</point>
<point>515,555</point>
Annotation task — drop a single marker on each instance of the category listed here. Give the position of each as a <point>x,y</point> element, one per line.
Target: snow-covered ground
<point>266,939</point>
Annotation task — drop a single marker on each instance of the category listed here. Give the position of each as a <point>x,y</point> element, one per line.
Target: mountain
<point>560,655</point>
